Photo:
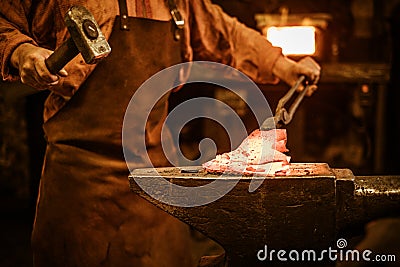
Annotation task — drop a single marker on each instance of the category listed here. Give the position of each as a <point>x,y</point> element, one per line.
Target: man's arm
<point>28,34</point>
<point>14,28</point>
<point>219,37</point>
<point>21,57</point>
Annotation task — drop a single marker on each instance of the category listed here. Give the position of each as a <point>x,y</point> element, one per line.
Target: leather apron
<point>86,214</point>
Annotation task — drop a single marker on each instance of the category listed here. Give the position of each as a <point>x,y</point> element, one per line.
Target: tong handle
<point>285,116</point>
<point>299,98</point>
<point>282,116</point>
<point>290,93</point>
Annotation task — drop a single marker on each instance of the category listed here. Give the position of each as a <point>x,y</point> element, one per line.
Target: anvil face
<point>286,212</point>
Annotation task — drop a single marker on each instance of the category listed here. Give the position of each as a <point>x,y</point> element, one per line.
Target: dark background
<point>337,125</point>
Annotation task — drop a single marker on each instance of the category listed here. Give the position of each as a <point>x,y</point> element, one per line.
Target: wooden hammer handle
<point>61,56</point>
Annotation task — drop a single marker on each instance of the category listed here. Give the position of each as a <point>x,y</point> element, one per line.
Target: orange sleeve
<point>215,36</point>
<point>14,30</point>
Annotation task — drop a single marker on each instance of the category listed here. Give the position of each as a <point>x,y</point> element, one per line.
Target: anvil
<point>308,209</point>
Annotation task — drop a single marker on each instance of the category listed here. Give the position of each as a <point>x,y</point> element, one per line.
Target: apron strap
<point>123,12</point>
<point>179,22</point>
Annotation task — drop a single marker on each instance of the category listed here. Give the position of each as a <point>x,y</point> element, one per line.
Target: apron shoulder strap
<point>123,12</point>
<point>177,17</point>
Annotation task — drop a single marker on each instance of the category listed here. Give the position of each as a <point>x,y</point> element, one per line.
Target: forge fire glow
<point>294,40</point>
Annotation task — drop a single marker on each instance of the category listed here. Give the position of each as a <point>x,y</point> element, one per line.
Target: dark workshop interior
<point>351,122</point>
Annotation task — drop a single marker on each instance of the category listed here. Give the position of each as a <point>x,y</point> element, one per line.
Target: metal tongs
<point>282,116</point>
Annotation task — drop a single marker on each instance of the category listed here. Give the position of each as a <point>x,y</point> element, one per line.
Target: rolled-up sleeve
<point>13,32</point>
<point>216,36</point>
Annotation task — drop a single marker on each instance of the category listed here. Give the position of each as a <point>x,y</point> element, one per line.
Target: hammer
<point>86,38</point>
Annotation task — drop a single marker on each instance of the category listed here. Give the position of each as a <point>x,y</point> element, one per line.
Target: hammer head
<point>86,34</point>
